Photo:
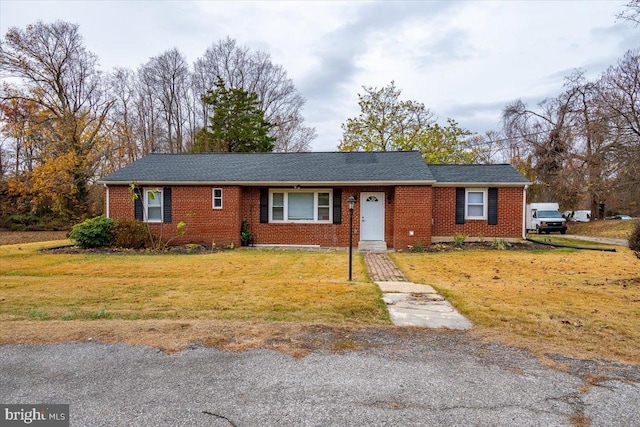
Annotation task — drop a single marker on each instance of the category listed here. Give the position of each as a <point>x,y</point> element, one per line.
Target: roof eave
<point>270,183</point>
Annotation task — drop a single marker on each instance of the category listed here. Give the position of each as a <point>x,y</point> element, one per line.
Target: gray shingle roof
<point>314,167</point>
<point>480,174</point>
<point>391,167</point>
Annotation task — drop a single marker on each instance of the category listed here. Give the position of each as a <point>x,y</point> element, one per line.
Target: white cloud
<point>462,59</point>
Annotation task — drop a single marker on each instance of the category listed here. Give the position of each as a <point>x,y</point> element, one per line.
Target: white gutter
<point>481,184</point>
<point>524,212</point>
<point>107,211</point>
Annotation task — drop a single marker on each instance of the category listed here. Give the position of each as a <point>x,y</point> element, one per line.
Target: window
<point>217,198</point>
<point>476,204</point>
<point>153,205</point>
<point>300,206</point>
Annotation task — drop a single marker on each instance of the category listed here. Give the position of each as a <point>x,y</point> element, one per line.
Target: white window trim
<point>159,194</point>
<point>485,203</point>
<point>213,198</point>
<point>286,192</point>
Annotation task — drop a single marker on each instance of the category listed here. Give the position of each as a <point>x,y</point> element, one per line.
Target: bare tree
<point>148,110</point>
<point>168,76</point>
<point>593,147</point>
<point>124,147</point>
<point>619,97</point>
<point>631,12</point>
<point>291,135</point>
<point>253,71</point>
<point>544,140</point>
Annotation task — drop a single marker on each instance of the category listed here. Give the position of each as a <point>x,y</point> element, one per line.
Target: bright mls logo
<point>34,415</point>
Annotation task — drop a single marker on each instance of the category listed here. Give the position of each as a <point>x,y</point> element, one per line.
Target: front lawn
<point>245,285</point>
<point>616,229</point>
<point>578,303</point>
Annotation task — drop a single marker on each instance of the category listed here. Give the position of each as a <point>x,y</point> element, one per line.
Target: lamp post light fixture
<point>351,201</point>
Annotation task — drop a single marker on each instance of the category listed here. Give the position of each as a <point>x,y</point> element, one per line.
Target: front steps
<point>372,246</point>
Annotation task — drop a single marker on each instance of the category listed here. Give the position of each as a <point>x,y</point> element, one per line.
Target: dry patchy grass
<point>615,229</point>
<point>240,285</point>
<point>578,303</point>
<point>15,237</point>
<point>293,338</point>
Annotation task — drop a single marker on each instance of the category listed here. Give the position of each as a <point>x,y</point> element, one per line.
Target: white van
<point>545,218</point>
<point>578,216</point>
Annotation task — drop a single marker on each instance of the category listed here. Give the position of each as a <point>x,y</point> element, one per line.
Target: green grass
<point>246,285</point>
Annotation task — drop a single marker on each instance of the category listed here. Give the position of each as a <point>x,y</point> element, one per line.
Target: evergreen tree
<point>237,125</point>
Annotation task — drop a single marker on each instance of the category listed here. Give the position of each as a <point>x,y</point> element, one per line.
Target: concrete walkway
<point>411,304</point>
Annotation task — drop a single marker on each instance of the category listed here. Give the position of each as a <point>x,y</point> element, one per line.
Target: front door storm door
<point>372,216</point>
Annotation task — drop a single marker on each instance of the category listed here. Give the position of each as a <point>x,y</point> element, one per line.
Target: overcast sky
<point>463,60</point>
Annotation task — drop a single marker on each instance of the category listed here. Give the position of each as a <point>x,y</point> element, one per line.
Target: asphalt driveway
<point>421,378</point>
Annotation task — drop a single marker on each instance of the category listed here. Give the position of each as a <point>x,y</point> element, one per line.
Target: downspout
<point>524,212</point>
<point>106,201</point>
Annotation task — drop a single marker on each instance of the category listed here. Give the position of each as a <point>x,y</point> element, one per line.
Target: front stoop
<point>372,246</point>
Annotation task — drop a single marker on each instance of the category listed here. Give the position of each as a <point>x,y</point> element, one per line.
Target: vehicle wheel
<point>563,231</point>
<point>538,230</point>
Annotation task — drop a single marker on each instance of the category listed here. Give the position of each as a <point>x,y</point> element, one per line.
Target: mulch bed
<point>204,249</point>
<point>183,249</point>
<point>451,247</point>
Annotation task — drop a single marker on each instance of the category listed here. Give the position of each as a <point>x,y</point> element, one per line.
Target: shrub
<point>93,232</point>
<point>33,222</point>
<point>458,240</point>
<point>130,233</point>
<point>500,244</point>
<point>21,222</point>
<point>634,240</point>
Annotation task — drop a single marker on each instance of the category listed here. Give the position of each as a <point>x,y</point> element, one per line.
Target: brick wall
<point>329,235</point>
<point>509,216</point>
<point>412,215</point>
<point>193,205</point>
<point>120,203</point>
<point>407,209</point>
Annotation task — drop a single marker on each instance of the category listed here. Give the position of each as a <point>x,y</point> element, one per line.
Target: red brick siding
<point>193,205</point>
<point>412,213</point>
<point>407,208</point>
<point>509,215</point>
<point>120,203</point>
<point>331,235</point>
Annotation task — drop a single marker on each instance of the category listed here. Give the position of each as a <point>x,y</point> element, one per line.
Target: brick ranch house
<point>301,198</point>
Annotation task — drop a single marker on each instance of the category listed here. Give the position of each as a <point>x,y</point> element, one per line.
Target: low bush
<point>458,240</point>
<point>130,233</point>
<point>634,240</point>
<point>93,232</point>
<point>33,222</point>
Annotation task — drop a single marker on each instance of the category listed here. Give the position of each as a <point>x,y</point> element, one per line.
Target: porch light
<point>351,201</point>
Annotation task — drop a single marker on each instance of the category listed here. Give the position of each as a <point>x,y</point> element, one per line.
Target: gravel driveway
<point>417,379</point>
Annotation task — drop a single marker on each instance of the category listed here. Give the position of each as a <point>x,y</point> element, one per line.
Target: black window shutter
<point>264,205</point>
<point>166,204</point>
<point>337,206</point>
<point>460,199</point>
<point>493,206</point>
<point>137,205</point>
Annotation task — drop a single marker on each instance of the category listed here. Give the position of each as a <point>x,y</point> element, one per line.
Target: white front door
<point>372,216</point>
